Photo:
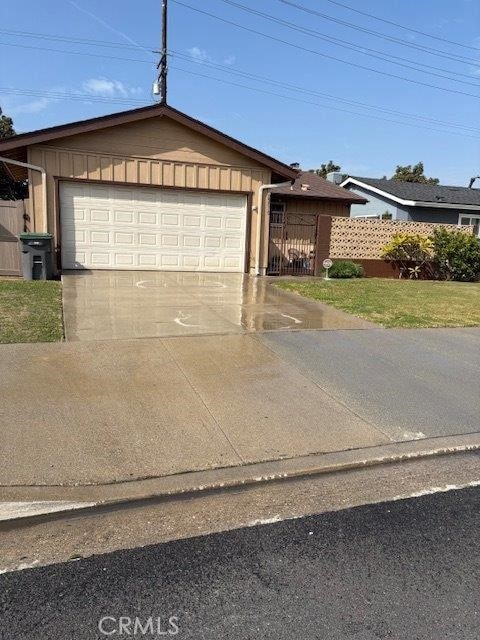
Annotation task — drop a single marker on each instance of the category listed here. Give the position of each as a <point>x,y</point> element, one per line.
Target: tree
<point>10,189</point>
<point>412,173</point>
<point>6,126</point>
<point>327,168</point>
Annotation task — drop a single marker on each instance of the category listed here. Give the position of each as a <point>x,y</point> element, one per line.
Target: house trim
<point>409,203</point>
<point>124,117</point>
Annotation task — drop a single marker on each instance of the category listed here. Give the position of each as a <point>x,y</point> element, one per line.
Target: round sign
<point>327,263</point>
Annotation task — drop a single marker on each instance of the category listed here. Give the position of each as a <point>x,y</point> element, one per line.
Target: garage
<point>118,227</point>
<point>149,188</point>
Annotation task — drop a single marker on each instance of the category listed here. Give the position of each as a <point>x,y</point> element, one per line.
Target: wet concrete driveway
<point>104,305</point>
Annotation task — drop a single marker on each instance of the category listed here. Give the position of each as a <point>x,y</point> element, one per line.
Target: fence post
<point>322,250</point>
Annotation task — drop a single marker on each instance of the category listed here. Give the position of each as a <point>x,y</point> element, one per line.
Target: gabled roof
<point>309,185</point>
<point>123,117</point>
<point>417,194</point>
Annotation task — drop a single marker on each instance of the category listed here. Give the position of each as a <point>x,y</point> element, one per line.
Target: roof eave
<point>293,194</point>
<point>410,203</point>
<point>151,111</point>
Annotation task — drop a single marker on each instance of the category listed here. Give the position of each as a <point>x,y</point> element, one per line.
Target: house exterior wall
<point>153,152</point>
<point>375,206</point>
<point>434,214</point>
<point>314,206</point>
<point>378,204</point>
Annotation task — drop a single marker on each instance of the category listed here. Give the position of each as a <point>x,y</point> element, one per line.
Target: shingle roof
<point>424,192</point>
<point>309,185</point>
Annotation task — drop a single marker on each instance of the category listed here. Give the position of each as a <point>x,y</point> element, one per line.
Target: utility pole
<point>160,86</point>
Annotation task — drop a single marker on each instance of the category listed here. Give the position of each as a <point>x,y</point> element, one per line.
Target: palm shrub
<point>457,255</point>
<point>345,269</point>
<point>410,251</point>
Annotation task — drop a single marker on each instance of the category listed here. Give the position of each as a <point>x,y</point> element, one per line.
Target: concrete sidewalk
<point>84,413</point>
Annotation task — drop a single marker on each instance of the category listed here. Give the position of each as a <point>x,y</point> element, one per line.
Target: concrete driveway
<point>104,305</point>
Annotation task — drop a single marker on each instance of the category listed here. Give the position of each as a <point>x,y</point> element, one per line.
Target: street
<point>405,570</point>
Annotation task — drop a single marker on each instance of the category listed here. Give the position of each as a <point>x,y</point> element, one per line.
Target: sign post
<point>327,263</point>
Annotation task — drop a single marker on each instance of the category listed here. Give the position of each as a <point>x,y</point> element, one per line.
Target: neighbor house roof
<point>15,143</point>
<point>309,185</point>
<point>417,194</point>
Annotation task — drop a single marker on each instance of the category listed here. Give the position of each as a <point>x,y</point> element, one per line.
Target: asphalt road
<point>408,569</point>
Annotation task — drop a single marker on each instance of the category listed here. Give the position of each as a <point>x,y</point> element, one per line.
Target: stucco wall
<point>153,152</point>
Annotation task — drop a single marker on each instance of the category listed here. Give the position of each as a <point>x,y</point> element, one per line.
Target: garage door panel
<point>143,228</point>
<point>124,217</point>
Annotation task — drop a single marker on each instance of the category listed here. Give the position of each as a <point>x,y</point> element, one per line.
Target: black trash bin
<point>37,255</point>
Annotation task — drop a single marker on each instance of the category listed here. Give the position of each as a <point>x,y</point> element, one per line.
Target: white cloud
<point>202,55</point>
<point>109,88</point>
<point>198,54</point>
<point>33,106</point>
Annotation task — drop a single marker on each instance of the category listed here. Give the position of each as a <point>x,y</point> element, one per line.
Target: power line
<point>230,70</point>
<point>75,40</point>
<point>316,104</point>
<point>59,95</point>
<point>258,78</point>
<point>339,42</point>
<point>402,26</point>
<point>373,53</point>
<point>324,55</point>
<point>438,52</point>
<point>52,95</point>
<point>75,53</point>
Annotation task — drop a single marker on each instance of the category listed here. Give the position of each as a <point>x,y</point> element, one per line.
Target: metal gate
<point>292,244</point>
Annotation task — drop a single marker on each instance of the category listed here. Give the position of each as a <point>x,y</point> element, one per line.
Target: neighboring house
<point>411,201</point>
<point>294,220</point>
<point>150,188</point>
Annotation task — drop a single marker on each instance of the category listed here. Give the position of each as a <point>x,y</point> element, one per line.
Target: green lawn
<point>30,311</point>
<point>397,303</point>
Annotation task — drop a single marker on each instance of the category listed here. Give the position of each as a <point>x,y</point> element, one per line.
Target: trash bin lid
<point>31,235</point>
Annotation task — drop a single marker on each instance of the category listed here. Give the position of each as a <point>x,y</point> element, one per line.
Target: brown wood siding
<point>313,206</point>
<point>159,138</point>
<point>155,152</point>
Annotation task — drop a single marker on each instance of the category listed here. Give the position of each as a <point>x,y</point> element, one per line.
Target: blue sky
<point>296,124</point>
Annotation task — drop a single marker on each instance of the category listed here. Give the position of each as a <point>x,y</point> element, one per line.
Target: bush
<point>409,247</point>
<point>345,269</point>
<point>411,252</point>
<point>457,255</point>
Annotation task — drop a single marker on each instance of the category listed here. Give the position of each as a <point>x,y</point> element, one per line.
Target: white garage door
<point>110,227</point>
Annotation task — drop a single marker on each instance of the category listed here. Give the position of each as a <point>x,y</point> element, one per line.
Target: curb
<point>17,513</point>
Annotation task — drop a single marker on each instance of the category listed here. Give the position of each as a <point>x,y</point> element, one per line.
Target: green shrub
<point>409,247</point>
<point>345,269</point>
<point>457,255</point>
<point>411,253</point>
